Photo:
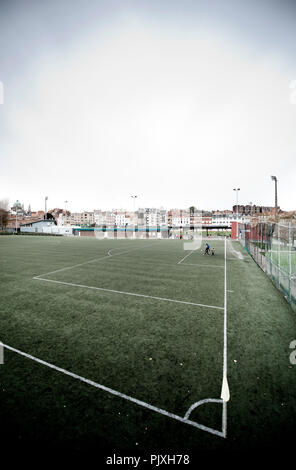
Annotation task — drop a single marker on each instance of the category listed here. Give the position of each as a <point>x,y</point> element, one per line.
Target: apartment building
<point>225,219</point>
<point>76,218</point>
<point>207,220</point>
<point>180,218</point>
<point>104,217</point>
<point>119,217</point>
<point>253,209</point>
<point>150,217</point>
<point>122,218</point>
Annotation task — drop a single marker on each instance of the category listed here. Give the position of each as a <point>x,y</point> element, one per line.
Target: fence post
<point>263,260</point>
<point>270,243</point>
<point>290,261</point>
<point>279,256</point>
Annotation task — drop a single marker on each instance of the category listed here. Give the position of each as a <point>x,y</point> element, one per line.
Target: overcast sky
<point>177,102</point>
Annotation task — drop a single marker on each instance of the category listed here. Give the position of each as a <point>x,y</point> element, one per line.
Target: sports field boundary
<point>224,397</point>
<point>118,394</point>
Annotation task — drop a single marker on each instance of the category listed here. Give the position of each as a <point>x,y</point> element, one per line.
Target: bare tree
<point>3,213</point>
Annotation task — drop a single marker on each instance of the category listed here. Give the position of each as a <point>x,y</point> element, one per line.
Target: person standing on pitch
<point>207,249</point>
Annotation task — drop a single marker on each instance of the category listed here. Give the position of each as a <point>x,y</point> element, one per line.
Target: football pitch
<point>125,345</point>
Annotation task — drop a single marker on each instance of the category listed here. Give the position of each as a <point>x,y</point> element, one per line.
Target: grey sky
<point>177,102</point>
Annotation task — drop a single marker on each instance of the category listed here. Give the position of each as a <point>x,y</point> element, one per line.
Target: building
<point>121,217</point>
<point>16,220</point>
<point>253,209</point>
<point>151,216</point>
<point>45,227</point>
<point>225,219</point>
<point>38,226</point>
<point>207,220</point>
<point>76,218</point>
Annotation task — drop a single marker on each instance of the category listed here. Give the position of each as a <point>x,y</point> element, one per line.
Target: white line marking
<point>112,249</point>
<point>199,403</point>
<point>224,419</point>
<point>184,420</point>
<point>203,265</point>
<point>86,262</point>
<point>1,353</point>
<point>188,254</point>
<point>103,289</point>
<point>225,395</point>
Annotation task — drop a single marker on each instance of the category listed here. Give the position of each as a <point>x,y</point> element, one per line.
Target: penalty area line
<point>184,419</point>
<point>113,291</point>
<point>188,254</point>
<point>93,260</point>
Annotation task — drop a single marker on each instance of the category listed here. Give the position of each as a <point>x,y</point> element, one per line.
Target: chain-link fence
<point>273,247</point>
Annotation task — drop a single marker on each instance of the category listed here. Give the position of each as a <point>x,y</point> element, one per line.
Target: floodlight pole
<point>134,200</point>
<point>45,216</point>
<point>274,178</point>
<point>66,202</point>
<point>236,189</point>
<point>15,209</point>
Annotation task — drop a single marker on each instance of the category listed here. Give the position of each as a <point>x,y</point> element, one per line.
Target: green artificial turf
<point>167,354</point>
<point>284,260</point>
